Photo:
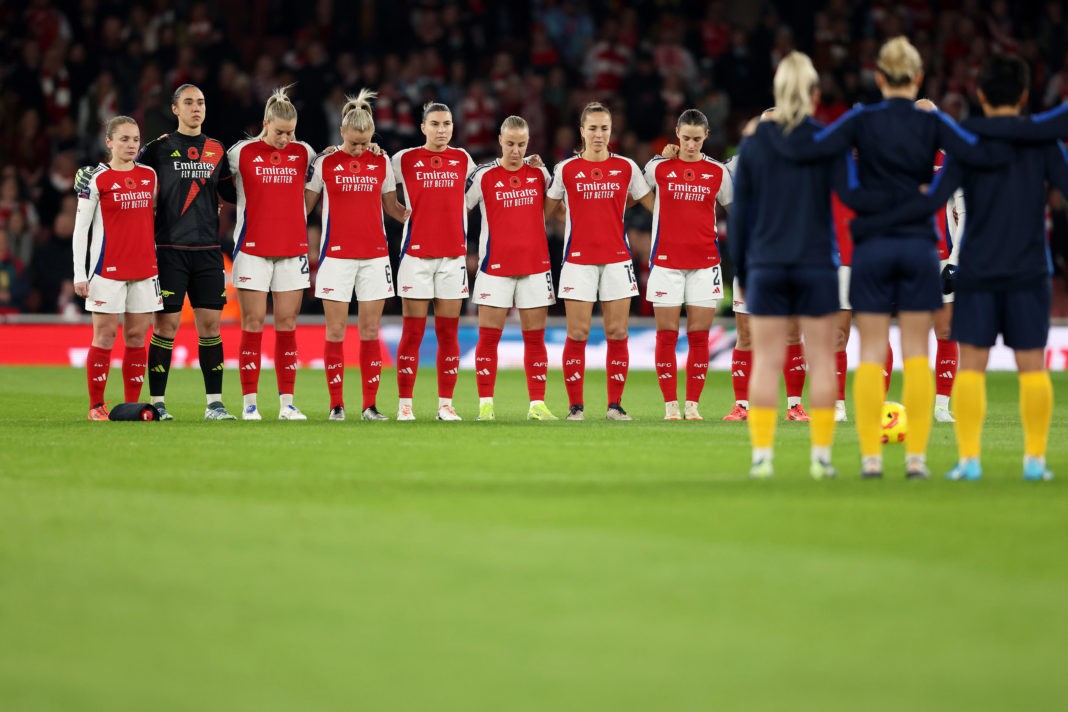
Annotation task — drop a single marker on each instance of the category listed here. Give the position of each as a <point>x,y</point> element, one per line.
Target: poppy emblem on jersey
<point>355,166</point>
<point>689,174</point>
<point>130,183</point>
<point>276,158</point>
<point>436,162</point>
<point>597,174</point>
<point>193,153</point>
<point>514,181</point>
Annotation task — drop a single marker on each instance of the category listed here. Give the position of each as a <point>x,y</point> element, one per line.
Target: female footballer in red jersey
<point>595,186</point>
<point>119,205</point>
<point>433,262</point>
<point>271,252</point>
<point>357,187</point>
<point>513,258</point>
<point>684,260</point>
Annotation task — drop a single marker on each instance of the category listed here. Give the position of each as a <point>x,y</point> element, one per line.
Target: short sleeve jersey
<point>271,220</point>
<point>595,194</point>
<point>434,184</point>
<point>189,170</point>
<point>513,240</point>
<point>684,214</point>
<point>123,246</point>
<point>352,189</point>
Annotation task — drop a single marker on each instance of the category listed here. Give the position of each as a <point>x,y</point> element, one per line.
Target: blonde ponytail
<point>278,107</point>
<point>356,113</point>
<point>794,82</point>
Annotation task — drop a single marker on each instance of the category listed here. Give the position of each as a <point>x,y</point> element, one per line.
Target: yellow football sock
<point>1036,411</point>
<point>821,427</point>
<point>969,410</point>
<point>868,404</point>
<point>917,395</point>
<point>762,427</point>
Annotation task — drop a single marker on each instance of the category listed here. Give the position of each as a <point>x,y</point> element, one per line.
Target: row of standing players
<point>271,254</point>
<point>883,153</point>
<point>276,180</point>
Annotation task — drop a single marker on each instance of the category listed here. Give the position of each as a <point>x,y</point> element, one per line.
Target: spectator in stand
<point>10,276</point>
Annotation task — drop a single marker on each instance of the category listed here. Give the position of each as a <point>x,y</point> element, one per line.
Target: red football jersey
<point>684,214</point>
<point>842,216</point>
<point>513,240</point>
<point>120,207</point>
<point>434,184</point>
<point>352,191</point>
<point>945,242</point>
<point>596,196</point>
<point>271,221</point>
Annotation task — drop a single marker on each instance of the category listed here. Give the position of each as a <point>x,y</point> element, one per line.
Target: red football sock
<point>741,363</point>
<point>946,359</point>
<point>618,363</point>
<point>574,370</point>
<point>841,367</point>
<point>249,361</point>
<point>535,363</point>
<point>696,364</point>
<point>888,368</point>
<point>447,330</point>
<point>97,367</point>
<point>334,356</point>
<point>408,354</point>
<point>134,362</point>
<point>370,370</point>
<point>285,360</point>
<point>667,370</point>
<point>793,370</point>
<point>486,360</point>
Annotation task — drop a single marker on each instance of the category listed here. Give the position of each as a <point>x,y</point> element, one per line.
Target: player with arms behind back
<point>357,186</point>
<point>193,172</point>
<point>117,203</point>
<point>433,264</point>
<point>513,258</point>
<point>271,253</point>
<point>596,185</point>
<point>684,260</point>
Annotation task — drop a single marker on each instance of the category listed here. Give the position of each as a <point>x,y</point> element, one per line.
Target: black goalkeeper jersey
<point>192,172</point>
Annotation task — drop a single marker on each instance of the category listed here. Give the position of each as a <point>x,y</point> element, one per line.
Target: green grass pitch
<point>512,565</point>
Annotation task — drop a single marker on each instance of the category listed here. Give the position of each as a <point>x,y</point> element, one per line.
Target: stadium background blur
<point>67,67</point>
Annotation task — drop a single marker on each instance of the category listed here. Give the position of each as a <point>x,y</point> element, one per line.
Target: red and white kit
<point>513,250</point>
<point>597,258</point>
<point>119,207</point>
<point>354,255</point>
<point>271,233</point>
<point>684,260</point>
<point>436,231</point>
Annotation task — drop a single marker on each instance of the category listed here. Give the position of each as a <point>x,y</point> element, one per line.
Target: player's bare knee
<point>336,332</point>
<point>578,333</point>
<point>615,333</point>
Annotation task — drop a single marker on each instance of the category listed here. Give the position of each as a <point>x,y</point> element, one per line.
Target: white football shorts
<point>337,279</point>
<point>738,306</point>
<point>844,274</point>
<point>271,274</point>
<point>591,283</point>
<point>432,277</point>
<point>110,296</point>
<point>527,291</point>
<point>694,287</point>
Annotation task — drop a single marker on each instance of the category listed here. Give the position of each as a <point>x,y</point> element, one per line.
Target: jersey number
<point>304,264</point>
<point>630,273</point>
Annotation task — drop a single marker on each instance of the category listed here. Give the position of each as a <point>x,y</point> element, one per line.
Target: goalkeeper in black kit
<point>193,173</point>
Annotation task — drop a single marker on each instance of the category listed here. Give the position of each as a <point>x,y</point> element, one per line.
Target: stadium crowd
<point>68,67</point>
